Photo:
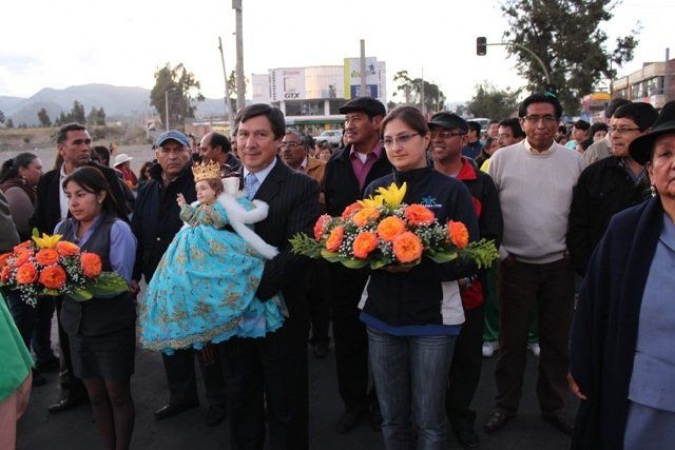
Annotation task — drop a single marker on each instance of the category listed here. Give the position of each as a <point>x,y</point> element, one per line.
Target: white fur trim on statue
<point>239,216</point>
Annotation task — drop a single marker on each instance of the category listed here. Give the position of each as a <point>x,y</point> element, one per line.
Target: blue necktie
<point>251,183</point>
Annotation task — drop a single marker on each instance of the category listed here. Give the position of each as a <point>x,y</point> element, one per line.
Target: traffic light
<point>481,46</point>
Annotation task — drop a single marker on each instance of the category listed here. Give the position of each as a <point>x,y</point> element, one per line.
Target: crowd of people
<point>585,226</point>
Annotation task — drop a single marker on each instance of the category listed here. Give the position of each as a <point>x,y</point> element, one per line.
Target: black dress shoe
<point>497,421</point>
<point>215,415</point>
<point>69,402</point>
<point>560,421</point>
<point>349,420</point>
<point>320,350</point>
<point>468,438</point>
<point>171,410</point>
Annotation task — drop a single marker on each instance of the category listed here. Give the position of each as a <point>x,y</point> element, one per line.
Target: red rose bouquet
<point>48,266</point>
<point>382,230</point>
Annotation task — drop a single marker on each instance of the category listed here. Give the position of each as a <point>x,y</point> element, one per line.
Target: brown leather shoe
<point>497,421</point>
<point>560,421</point>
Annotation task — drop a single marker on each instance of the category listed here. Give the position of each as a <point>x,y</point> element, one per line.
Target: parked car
<point>333,137</point>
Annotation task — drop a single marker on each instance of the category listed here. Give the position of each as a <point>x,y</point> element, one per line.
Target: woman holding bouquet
<point>102,331</point>
<point>414,314</point>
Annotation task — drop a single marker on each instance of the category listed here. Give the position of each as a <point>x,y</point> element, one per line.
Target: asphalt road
<point>74,430</point>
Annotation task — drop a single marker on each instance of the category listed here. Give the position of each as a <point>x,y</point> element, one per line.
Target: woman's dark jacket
<point>605,326</point>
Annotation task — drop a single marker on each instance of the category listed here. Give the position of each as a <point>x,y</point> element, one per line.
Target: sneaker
<point>489,348</point>
<point>534,348</point>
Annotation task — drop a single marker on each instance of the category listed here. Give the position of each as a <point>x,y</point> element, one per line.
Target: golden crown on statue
<point>208,171</point>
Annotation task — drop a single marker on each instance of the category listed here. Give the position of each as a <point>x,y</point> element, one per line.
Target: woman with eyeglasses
<point>414,314</point>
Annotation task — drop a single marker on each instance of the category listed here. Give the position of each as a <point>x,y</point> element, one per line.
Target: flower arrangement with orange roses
<point>382,230</point>
<point>48,266</point>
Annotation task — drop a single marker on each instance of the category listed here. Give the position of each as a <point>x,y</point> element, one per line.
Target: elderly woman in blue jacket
<point>622,362</point>
<point>414,314</point>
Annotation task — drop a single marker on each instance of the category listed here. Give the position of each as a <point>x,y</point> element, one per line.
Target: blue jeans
<point>411,376</point>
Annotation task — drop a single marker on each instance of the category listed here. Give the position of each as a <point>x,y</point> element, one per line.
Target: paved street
<point>75,429</point>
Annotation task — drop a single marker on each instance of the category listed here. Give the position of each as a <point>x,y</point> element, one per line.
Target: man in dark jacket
<point>155,223</point>
<point>74,150</point>
<point>348,172</point>
<point>609,185</point>
<point>448,136</point>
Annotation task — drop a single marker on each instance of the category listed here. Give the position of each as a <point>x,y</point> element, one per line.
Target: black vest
<point>98,315</point>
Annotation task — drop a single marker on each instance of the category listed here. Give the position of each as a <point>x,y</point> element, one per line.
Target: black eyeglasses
<point>534,119</point>
<point>291,144</point>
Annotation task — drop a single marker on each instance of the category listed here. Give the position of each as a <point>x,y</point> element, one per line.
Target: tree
<point>10,123</point>
<point>566,36</point>
<point>492,103</point>
<point>44,119</point>
<point>183,93</point>
<point>434,99</point>
<point>77,114</point>
<point>96,116</point>
<point>2,117</point>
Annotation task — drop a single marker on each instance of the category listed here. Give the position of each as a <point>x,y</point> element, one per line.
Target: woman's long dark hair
<point>10,168</point>
<point>92,180</point>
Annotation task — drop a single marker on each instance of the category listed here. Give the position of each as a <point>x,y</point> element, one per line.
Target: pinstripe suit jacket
<point>293,200</point>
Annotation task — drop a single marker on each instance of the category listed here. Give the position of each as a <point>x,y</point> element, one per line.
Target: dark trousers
<point>319,301</point>
<point>349,336</point>
<point>271,372</point>
<point>67,377</point>
<point>42,331</point>
<point>551,286</point>
<point>465,369</point>
<point>24,315</point>
<point>182,380</point>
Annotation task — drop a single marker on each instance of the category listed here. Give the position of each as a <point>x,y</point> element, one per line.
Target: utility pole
<point>241,84</point>
<point>166,109</point>
<point>363,92</point>
<point>228,104</point>
<point>424,109</point>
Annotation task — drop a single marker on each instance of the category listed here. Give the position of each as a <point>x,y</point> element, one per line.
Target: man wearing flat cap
<point>348,172</point>
<point>155,223</point>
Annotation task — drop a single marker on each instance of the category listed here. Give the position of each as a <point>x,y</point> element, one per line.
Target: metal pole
<point>363,92</point>
<point>424,109</point>
<point>241,84</point>
<point>228,104</point>
<point>166,108</point>
<point>531,53</point>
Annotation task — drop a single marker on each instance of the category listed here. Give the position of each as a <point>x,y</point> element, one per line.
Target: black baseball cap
<point>449,120</point>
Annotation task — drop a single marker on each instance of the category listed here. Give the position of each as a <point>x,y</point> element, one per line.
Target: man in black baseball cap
<point>368,105</point>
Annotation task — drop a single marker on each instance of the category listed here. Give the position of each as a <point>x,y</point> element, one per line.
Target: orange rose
<point>320,226</point>
<point>390,227</point>
<point>25,245</point>
<point>362,217</point>
<point>23,257</point>
<point>459,235</point>
<point>419,215</point>
<point>364,243</point>
<point>5,274</point>
<point>91,265</point>
<point>3,259</point>
<point>47,257</point>
<point>67,248</point>
<point>407,247</point>
<point>351,209</point>
<point>53,277</point>
<point>27,273</point>
<point>335,239</point>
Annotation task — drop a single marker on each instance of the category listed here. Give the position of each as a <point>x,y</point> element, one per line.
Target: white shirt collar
<point>530,149</point>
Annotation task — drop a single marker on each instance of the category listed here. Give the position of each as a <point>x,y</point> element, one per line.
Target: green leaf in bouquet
<point>108,284</point>
<point>441,257</point>
<point>304,245</point>
<point>330,256</point>
<point>378,264</point>
<point>80,295</point>
<point>351,263</point>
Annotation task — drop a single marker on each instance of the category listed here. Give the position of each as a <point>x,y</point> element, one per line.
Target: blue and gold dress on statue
<point>204,287</point>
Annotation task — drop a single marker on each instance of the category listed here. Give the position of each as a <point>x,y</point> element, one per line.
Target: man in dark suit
<point>74,147</point>
<point>273,371</point>
<point>155,223</point>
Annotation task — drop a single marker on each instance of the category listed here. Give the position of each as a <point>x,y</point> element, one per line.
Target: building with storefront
<point>310,97</point>
<point>654,83</point>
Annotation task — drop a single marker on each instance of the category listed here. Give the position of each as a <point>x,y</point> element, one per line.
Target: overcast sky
<point>71,42</point>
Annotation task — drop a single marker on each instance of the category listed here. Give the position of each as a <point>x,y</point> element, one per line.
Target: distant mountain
<point>119,102</point>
